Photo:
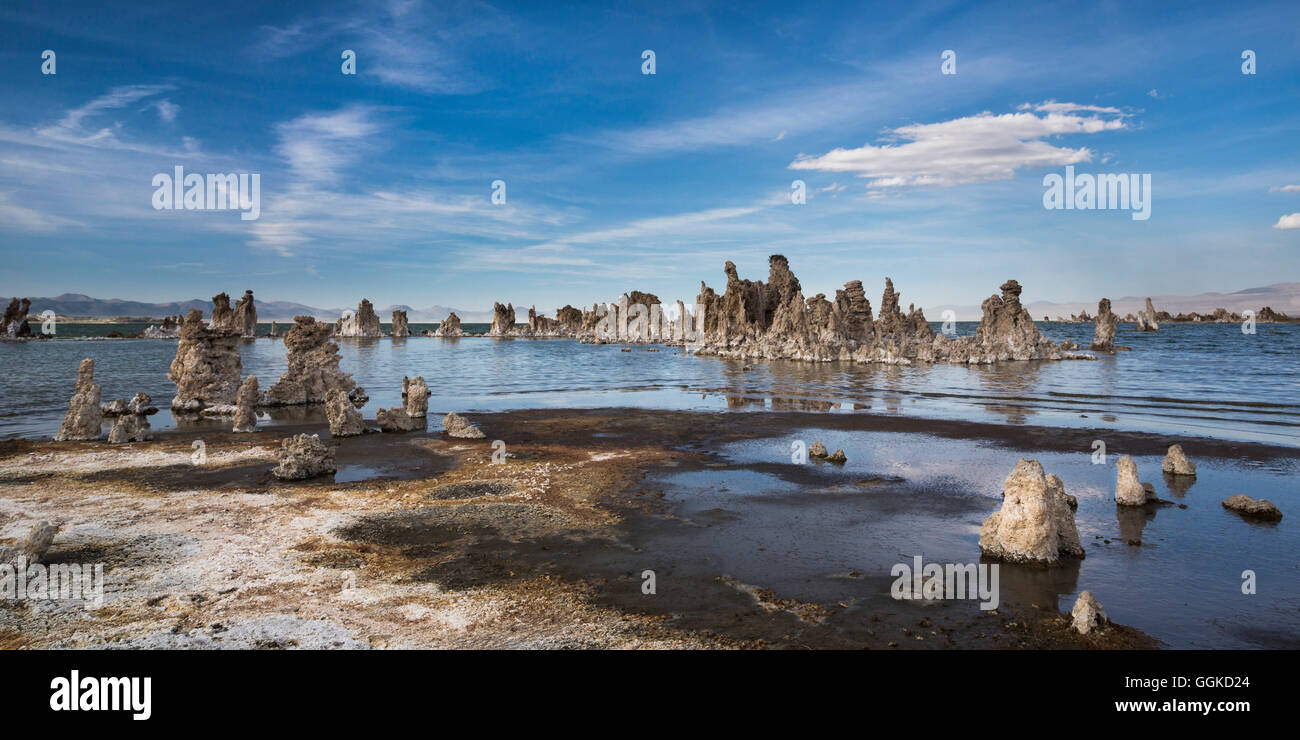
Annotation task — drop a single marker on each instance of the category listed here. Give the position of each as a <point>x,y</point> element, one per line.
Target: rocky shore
<point>273,541</point>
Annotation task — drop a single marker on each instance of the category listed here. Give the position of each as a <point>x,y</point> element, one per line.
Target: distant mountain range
<point>1282,297</point>
<point>77,305</point>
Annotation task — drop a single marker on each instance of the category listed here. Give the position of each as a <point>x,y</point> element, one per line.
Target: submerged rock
<point>400,327</point>
<point>207,367</point>
<point>1087,615</point>
<point>32,547</point>
<point>1129,491</point>
<point>457,426</point>
<point>449,327</point>
<point>302,457</point>
<point>1035,524</point>
<point>363,323</point>
<point>313,366</point>
<point>1176,462</point>
<point>246,406</point>
<point>1253,508</point>
<point>84,417</point>
<point>344,419</point>
<point>1103,338</point>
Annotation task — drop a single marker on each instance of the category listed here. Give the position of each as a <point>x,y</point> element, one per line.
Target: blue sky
<point>379,184</point>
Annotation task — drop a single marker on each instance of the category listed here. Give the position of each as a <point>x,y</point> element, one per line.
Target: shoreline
<point>442,548</point>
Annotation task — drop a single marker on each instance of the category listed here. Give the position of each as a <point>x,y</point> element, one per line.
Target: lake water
<point>1182,585</point>
<point>1201,380</point>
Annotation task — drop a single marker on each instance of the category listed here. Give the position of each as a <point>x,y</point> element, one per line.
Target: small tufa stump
<point>1176,462</point>
<point>1035,524</point>
<point>1129,491</point>
<point>344,419</point>
<point>1087,615</point>
<point>246,406</point>
<point>458,427</point>
<point>304,456</point>
<point>1246,506</point>
<point>84,415</point>
<point>32,547</point>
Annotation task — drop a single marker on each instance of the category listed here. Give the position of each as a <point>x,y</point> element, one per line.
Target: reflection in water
<point>1026,584</point>
<point>738,402</point>
<point>1134,519</point>
<point>1178,484</point>
<point>1015,383</point>
<point>801,404</point>
<point>1174,382</point>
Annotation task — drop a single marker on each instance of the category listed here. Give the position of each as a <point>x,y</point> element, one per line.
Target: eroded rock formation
<point>32,547</point>
<point>1035,523</point>
<point>84,416</point>
<point>1129,491</point>
<point>363,323</point>
<point>1253,508</point>
<point>1103,338</point>
<point>1146,320</point>
<point>245,321</point>
<point>223,316</point>
<point>1176,462</point>
<point>132,424</point>
<point>772,320</point>
<point>14,323</point>
<point>450,327</point>
<point>246,406</point>
<point>313,366</point>
<point>503,320</point>
<point>302,457</point>
<point>1087,615</point>
<point>169,329</point>
<point>344,418</point>
<point>457,426</point>
<point>207,368</point>
<point>400,328</point>
<point>414,415</point>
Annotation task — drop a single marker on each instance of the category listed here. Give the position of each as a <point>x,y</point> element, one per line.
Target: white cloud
<point>1287,222</point>
<point>71,129</point>
<point>1285,189</point>
<point>401,43</point>
<point>167,110</point>
<point>972,149</point>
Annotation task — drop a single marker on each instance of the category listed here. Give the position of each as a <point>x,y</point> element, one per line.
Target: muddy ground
<point>422,541</point>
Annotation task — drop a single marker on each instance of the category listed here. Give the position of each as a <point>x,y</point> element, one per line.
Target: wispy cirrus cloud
<point>410,44</point>
<point>971,149</point>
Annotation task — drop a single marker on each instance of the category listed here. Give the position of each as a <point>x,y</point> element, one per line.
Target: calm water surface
<point>1203,380</point>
